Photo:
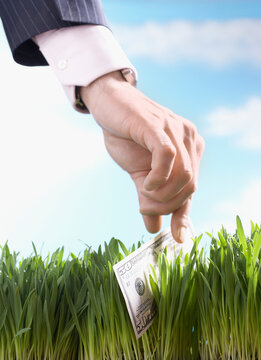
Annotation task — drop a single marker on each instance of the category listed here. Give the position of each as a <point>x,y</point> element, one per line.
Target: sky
<point>59,187</point>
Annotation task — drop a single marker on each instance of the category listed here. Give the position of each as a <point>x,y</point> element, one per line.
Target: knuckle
<point>190,130</point>
<point>192,187</point>
<point>187,177</point>
<point>143,205</point>
<point>165,198</point>
<point>162,198</point>
<point>165,112</point>
<point>185,217</point>
<point>151,210</point>
<point>164,209</point>
<point>192,126</point>
<point>161,179</point>
<point>200,145</point>
<point>168,150</point>
<point>146,210</point>
<point>193,131</point>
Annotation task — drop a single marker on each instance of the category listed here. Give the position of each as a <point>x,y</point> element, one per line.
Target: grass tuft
<point>208,307</point>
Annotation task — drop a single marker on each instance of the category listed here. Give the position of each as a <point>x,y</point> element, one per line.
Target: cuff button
<point>62,64</point>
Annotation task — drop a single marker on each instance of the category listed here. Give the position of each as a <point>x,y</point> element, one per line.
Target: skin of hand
<point>159,149</point>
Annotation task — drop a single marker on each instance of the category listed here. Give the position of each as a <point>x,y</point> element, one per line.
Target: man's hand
<point>159,149</point>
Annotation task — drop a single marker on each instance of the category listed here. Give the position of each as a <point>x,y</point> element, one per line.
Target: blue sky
<point>201,59</point>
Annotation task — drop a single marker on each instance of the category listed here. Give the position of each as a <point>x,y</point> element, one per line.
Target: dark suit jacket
<point>23,19</point>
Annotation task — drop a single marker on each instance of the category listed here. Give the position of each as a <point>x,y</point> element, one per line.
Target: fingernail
<point>182,233</point>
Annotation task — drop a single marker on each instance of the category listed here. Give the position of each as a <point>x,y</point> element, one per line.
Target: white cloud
<point>217,43</point>
<point>243,122</point>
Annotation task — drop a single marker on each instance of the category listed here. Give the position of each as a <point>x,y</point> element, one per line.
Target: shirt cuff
<point>81,54</point>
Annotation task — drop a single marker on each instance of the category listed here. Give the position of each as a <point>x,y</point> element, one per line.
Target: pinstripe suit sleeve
<point>23,19</point>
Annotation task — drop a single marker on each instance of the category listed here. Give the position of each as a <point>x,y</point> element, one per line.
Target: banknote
<point>133,277</point>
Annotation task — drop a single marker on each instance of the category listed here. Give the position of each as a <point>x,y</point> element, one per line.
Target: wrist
<point>106,84</point>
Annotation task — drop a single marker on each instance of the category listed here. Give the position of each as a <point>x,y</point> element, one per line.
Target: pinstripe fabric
<point>23,19</point>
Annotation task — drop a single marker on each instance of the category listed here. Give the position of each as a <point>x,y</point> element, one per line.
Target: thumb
<point>180,223</point>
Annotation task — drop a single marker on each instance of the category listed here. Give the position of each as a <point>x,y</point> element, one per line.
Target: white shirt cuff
<point>81,54</point>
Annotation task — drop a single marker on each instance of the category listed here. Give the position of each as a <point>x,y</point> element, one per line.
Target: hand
<point>159,149</point>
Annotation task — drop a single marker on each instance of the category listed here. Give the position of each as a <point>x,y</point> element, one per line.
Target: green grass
<point>66,309</point>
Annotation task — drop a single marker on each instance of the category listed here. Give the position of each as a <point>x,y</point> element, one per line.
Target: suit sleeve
<point>24,19</point>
